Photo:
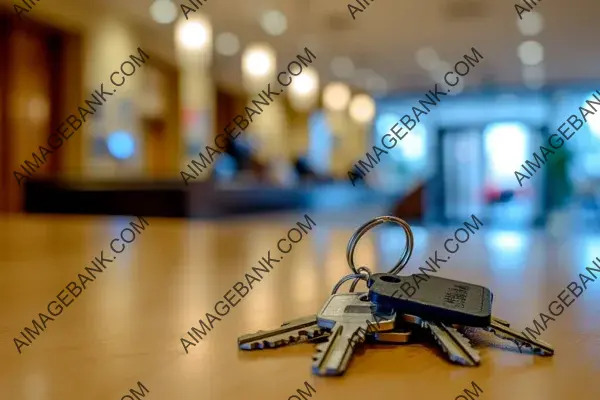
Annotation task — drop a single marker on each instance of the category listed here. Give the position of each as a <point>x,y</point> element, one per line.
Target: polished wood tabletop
<point>126,326</point>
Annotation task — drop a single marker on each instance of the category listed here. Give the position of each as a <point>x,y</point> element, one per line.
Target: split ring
<point>360,232</point>
<point>366,278</point>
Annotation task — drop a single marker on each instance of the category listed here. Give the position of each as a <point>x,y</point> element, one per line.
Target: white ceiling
<point>387,34</point>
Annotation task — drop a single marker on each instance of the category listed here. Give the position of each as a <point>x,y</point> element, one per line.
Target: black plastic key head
<point>433,298</point>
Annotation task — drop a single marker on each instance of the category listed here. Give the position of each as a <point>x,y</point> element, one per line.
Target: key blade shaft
<point>332,357</point>
<point>519,339</point>
<point>463,343</point>
<point>328,360</point>
<point>350,318</point>
<point>456,346</point>
<point>294,331</point>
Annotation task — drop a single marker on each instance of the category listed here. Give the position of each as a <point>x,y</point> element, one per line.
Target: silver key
<point>500,328</point>
<point>347,316</point>
<point>290,332</point>
<point>456,346</point>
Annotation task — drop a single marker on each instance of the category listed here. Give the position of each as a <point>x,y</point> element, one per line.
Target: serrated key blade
<point>349,317</point>
<point>332,357</point>
<point>454,344</point>
<point>290,332</point>
<point>505,332</point>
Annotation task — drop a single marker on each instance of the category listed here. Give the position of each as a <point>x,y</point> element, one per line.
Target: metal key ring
<point>366,278</point>
<point>360,232</point>
<point>344,279</point>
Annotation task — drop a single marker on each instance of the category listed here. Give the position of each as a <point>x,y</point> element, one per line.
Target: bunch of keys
<point>385,315</point>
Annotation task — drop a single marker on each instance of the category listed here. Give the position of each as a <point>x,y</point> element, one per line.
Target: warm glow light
<point>258,60</point>
<point>531,52</point>
<point>192,34</point>
<point>362,108</point>
<point>306,83</point>
<point>336,96</point>
<point>304,90</point>
<point>163,11</point>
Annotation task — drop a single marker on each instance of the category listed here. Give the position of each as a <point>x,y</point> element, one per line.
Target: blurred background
<point>291,161</point>
<point>368,72</point>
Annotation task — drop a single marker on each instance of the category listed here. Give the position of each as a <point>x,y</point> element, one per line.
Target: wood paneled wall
<point>32,99</point>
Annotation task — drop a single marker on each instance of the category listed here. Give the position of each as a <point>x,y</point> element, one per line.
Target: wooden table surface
<point>125,327</point>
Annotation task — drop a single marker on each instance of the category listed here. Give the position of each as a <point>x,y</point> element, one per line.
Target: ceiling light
<point>163,11</point>
<point>227,44</point>
<point>532,25</point>
<point>192,34</point>
<point>336,96</point>
<point>258,60</point>
<point>362,108</point>
<point>427,58</point>
<point>306,83</point>
<point>531,52</point>
<point>304,90</point>
<point>342,67</point>
<point>273,22</point>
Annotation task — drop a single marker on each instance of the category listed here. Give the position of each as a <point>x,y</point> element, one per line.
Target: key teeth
<point>319,353</point>
<point>465,340</point>
<point>303,335</point>
<point>425,325</point>
<point>320,347</point>
<point>459,336</point>
<point>520,344</point>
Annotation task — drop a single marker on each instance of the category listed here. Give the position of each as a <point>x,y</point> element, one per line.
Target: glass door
<point>462,173</point>
<point>507,146</point>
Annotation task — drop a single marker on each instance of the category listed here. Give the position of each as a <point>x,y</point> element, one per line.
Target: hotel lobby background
<point>152,154</point>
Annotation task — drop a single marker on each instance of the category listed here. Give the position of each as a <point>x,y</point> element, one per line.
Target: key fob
<point>433,298</point>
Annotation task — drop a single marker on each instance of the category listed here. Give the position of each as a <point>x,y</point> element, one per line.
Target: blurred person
<point>306,172</point>
<point>282,173</point>
<point>238,162</point>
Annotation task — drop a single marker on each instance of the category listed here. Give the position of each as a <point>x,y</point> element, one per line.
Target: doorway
<point>31,101</point>
<point>476,168</point>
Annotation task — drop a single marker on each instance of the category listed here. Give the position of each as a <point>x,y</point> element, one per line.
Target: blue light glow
<point>385,122</point>
<point>506,147</point>
<point>121,145</point>
<point>594,121</point>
